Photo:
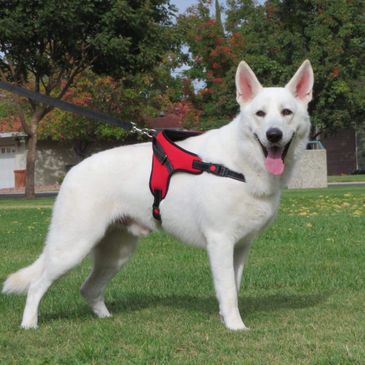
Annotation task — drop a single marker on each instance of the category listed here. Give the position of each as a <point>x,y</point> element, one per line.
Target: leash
<point>76,109</point>
<point>168,157</point>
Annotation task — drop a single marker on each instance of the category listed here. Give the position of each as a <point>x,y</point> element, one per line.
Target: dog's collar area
<point>169,158</point>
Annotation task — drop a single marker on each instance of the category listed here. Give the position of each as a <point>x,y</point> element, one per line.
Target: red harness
<point>169,158</point>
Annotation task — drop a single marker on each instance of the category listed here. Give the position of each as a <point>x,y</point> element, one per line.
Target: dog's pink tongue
<point>274,163</point>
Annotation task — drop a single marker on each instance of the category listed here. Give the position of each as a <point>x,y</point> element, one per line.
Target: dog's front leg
<point>220,253</point>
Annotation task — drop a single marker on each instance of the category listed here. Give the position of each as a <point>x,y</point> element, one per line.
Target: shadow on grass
<point>134,302</point>
<point>275,302</point>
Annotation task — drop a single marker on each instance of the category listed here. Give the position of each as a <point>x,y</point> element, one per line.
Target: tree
<point>213,60</point>
<point>137,98</point>
<point>274,37</point>
<point>46,45</point>
<point>280,34</point>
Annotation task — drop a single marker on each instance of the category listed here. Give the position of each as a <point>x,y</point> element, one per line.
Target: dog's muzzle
<point>275,156</point>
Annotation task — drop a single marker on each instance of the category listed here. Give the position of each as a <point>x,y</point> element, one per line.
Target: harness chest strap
<point>169,158</point>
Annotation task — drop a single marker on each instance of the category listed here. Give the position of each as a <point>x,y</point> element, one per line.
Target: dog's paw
<point>234,324</point>
<point>29,326</point>
<point>233,321</point>
<point>240,326</point>
<point>101,310</point>
<point>103,314</point>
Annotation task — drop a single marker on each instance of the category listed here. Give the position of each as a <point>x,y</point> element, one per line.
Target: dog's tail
<point>19,282</point>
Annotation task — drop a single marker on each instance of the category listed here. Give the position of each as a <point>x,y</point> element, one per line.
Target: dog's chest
<point>255,214</point>
<point>199,205</point>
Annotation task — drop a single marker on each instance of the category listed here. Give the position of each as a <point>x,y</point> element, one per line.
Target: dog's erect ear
<point>247,85</point>
<point>301,83</point>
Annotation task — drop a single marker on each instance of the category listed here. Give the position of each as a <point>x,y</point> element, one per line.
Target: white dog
<point>104,204</point>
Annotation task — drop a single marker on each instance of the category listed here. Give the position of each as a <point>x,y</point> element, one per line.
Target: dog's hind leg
<point>54,267</point>
<point>56,264</point>
<point>113,251</point>
<point>64,250</point>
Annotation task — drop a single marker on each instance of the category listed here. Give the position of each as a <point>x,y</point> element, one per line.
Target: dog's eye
<point>286,112</point>
<point>260,113</point>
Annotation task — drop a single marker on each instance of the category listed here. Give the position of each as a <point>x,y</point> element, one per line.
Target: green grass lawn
<point>303,295</point>
<point>26,203</point>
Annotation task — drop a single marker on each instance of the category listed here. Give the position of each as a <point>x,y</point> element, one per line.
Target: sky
<point>182,5</point>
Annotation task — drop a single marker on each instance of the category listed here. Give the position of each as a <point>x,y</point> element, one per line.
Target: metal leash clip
<point>146,132</point>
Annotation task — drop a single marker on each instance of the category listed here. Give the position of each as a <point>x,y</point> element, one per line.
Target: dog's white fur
<point>104,204</point>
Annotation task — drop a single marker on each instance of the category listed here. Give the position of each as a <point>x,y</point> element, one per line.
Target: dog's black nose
<point>274,135</point>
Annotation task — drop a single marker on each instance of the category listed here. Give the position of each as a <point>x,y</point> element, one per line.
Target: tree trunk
<point>30,166</point>
<point>32,152</point>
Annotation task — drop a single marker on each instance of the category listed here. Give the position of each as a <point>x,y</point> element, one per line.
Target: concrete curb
<point>346,184</point>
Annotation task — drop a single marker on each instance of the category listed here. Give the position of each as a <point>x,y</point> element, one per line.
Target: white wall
<point>10,161</point>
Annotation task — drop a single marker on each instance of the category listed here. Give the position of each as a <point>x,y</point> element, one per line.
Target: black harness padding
<point>169,158</point>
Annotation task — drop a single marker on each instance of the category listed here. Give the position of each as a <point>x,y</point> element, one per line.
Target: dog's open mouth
<point>275,157</point>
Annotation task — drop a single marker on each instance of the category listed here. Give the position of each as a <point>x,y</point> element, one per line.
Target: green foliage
<point>114,37</point>
<point>6,107</point>
<point>47,45</point>
<point>134,98</point>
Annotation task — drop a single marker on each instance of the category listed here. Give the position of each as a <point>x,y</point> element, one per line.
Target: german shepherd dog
<point>104,203</point>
